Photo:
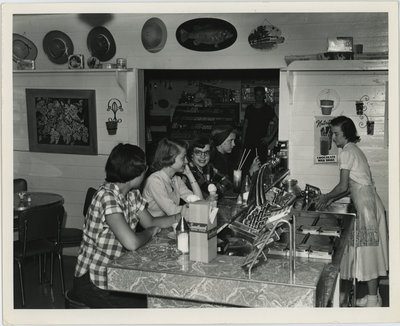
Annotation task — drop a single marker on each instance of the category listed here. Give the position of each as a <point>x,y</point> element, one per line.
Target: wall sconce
<point>361,107</point>
<point>114,105</point>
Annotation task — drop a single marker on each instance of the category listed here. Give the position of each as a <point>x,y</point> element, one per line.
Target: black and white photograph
<point>174,163</point>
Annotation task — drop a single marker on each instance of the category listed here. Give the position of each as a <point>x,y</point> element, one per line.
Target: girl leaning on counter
<point>110,229</point>
<point>164,189</point>
<point>203,170</point>
<point>371,233</point>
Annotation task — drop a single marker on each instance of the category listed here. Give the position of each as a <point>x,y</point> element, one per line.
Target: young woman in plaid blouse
<point>110,229</point>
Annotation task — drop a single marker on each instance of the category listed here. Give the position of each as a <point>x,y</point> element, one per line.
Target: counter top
<point>170,279</point>
<point>158,269</point>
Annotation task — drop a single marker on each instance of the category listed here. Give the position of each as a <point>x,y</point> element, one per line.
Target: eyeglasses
<point>198,152</point>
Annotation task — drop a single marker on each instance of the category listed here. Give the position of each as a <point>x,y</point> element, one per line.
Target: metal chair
<point>72,237</point>
<point>37,226</point>
<point>20,185</point>
<point>72,303</point>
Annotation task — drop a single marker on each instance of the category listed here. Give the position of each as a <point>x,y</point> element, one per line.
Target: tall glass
<point>237,180</point>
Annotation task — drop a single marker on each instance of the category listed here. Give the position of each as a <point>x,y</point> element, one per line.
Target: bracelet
<point>192,182</point>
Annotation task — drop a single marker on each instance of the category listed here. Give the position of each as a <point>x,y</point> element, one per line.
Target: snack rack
<point>267,235</point>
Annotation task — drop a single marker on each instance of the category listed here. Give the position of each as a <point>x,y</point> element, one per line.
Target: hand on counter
<point>322,201</point>
<point>154,230</point>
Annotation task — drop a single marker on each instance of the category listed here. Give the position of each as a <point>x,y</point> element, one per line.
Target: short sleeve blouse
<point>353,159</point>
<point>99,245</point>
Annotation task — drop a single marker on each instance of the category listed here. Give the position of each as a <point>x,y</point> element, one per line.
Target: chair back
<point>88,199</point>
<point>20,185</point>
<point>41,223</point>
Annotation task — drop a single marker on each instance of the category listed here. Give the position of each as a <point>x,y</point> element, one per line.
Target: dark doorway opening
<point>181,103</point>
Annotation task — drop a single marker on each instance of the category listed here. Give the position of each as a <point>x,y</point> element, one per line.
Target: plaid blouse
<point>99,245</point>
<point>209,174</point>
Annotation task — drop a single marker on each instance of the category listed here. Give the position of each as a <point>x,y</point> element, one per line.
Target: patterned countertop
<point>158,269</point>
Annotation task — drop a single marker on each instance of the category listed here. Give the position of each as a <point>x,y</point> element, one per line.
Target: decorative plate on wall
<point>206,34</point>
<point>265,37</point>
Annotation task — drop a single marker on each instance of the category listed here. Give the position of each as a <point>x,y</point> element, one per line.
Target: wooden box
<point>203,232</point>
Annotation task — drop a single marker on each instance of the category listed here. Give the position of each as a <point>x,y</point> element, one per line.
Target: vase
<point>112,127</point>
<point>326,106</point>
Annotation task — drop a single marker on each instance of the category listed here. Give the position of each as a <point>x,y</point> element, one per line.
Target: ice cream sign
<point>325,151</point>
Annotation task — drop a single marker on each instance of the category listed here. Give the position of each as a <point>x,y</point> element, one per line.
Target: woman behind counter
<point>371,233</point>
<point>109,229</point>
<point>204,171</point>
<point>165,188</point>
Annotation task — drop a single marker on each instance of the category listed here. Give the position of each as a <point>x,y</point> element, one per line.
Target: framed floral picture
<point>62,121</point>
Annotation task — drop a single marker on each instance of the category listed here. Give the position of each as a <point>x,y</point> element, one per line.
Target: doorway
<point>184,103</point>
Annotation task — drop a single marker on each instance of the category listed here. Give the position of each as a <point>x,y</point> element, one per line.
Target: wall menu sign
<point>325,151</point>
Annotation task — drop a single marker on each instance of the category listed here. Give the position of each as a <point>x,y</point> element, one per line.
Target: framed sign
<point>62,121</point>
<point>325,150</point>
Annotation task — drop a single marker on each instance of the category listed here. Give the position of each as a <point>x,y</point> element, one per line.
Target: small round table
<point>38,199</point>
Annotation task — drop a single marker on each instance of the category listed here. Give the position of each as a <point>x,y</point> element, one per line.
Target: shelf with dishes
<point>190,121</point>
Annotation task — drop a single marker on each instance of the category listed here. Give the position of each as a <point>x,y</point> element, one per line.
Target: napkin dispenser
<point>203,231</point>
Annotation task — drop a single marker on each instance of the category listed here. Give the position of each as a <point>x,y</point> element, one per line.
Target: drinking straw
<point>241,158</point>
<point>244,160</point>
<point>256,152</point>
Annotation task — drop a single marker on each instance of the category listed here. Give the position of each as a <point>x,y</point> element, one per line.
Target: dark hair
<point>259,89</point>
<point>125,163</point>
<point>348,128</point>
<point>220,133</point>
<point>199,142</point>
<point>166,152</point>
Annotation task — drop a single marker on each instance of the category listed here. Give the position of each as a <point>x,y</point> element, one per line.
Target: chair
<point>37,226</point>
<point>72,303</point>
<point>72,237</point>
<point>20,185</point>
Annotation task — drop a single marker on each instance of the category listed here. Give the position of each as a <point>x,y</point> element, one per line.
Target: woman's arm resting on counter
<point>147,220</point>
<point>339,191</point>
<point>129,238</point>
<point>193,182</point>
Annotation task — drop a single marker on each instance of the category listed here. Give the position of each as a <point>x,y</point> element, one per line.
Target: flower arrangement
<point>61,121</point>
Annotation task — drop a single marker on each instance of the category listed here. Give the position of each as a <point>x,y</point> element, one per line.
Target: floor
<point>43,296</point>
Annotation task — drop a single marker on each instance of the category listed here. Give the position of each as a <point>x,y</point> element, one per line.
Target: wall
<point>70,175</point>
<point>298,123</point>
<point>304,34</point>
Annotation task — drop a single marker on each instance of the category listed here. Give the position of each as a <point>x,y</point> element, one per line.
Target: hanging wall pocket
<point>266,37</point>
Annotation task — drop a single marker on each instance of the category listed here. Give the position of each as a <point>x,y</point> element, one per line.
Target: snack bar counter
<point>310,278</point>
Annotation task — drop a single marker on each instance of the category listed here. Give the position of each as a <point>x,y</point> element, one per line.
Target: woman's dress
<point>371,225</point>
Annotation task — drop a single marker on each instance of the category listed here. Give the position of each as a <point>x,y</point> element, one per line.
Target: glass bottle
<point>182,236</point>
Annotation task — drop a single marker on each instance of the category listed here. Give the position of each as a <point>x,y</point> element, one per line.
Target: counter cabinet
<point>172,280</point>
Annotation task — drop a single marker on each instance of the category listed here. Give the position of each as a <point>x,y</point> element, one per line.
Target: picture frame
<point>62,121</point>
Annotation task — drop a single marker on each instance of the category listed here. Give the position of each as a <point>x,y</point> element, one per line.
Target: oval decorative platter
<point>206,34</point>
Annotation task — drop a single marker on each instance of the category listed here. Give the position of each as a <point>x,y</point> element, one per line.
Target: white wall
<point>304,34</point>
<point>298,123</point>
<point>70,175</point>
